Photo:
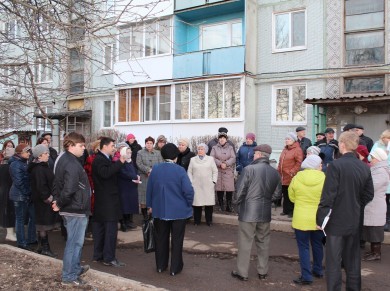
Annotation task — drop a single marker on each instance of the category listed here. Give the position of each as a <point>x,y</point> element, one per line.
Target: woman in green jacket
<point>305,192</point>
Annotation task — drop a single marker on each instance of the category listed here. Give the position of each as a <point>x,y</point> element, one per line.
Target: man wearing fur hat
<point>214,141</point>
<point>258,186</point>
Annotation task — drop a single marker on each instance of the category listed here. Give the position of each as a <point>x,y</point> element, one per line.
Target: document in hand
<point>326,219</point>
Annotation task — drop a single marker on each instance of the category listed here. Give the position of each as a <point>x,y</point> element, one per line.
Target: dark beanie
<point>169,151</point>
<point>223,129</point>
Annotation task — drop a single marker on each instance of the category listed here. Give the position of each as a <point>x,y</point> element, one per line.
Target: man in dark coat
<point>369,143</point>
<point>107,211</point>
<point>303,141</point>
<point>329,148</point>
<point>258,186</point>
<point>348,187</point>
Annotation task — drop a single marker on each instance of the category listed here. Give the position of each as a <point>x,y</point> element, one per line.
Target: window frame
<point>362,31</point>
<point>43,65</point>
<point>289,122</point>
<point>142,28</point>
<point>112,59</point>
<point>112,113</point>
<point>230,22</point>
<point>290,48</point>
<point>366,93</point>
<point>74,72</point>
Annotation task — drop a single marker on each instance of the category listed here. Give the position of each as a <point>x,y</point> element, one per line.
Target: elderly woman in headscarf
<point>128,180</point>
<point>375,210</point>
<point>305,192</point>
<point>185,153</point>
<point>203,174</point>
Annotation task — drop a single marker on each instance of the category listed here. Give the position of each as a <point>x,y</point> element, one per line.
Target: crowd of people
<point>336,192</point>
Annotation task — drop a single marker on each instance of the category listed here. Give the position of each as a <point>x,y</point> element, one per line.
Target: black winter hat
<point>223,129</point>
<point>169,151</point>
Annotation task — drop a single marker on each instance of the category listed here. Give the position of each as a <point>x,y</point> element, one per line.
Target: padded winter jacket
<point>20,189</point>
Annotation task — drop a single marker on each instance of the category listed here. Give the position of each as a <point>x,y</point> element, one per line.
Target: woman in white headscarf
<point>203,174</point>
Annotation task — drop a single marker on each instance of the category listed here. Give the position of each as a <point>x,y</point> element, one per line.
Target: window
<point>223,99</point>
<point>221,35</point>
<point>11,29</point>
<point>215,99</point>
<point>144,104</point>
<point>364,84</point>
<point>109,58</point>
<point>289,31</point>
<point>364,32</point>
<point>144,40</point>
<point>109,113</point>
<point>76,83</point>
<point>10,76</point>
<point>43,71</point>
<point>289,106</point>
<point>109,7</point>
<point>42,123</point>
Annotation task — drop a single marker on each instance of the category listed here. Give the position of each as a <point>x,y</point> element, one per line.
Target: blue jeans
<point>24,210</point>
<point>315,239</point>
<point>75,227</point>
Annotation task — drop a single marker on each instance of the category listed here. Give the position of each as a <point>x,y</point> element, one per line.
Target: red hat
<point>361,149</point>
<point>129,136</point>
<point>251,136</point>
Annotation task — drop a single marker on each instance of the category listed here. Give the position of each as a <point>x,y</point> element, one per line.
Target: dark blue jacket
<point>20,189</point>
<point>169,192</point>
<point>244,156</point>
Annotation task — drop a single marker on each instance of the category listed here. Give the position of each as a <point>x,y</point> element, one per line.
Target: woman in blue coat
<point>169,197</point>
<point>128,180</point>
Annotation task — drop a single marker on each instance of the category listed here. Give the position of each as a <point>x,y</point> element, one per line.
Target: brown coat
<point>290,162</point>
<point>224,154</point>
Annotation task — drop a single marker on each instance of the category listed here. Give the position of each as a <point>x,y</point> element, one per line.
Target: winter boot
<point>220,200</point>
<point>10,234</point>
<point>144,212</point>
<point>46,251</point>
<point>123,225</point>
<point>229,202</point>
<point>39,249</point>
<point>376,254</point>
<point>368,254</point>
<point>129,222</point>
<point>387,227</point>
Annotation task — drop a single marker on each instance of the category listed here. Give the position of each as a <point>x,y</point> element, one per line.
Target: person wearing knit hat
<point>313,150</point>
<point>305,192</point>
<point>362,153</point>
<point>169,198</point>
<point>135,147</point>
<point>225,159</point>
<point>289,164</point>
<point>185,155</point>
<point>41,180</point>
<point>40,149</point>
<point>214,141</point>
<point>379,154</point>
<point>375,211</point>
<point>20,195</point>
<point>245,153</point>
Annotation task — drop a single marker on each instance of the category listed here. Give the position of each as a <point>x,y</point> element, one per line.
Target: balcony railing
<point>185,4</point>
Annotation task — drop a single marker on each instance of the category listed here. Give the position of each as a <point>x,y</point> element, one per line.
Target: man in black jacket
<point>107,211</point>
<point>304,142</point>
<point>72,199</point>
<point>258,186</point>
<point>348,187</point>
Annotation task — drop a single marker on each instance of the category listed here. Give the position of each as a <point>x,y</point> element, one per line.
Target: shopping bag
<point>148,232</point>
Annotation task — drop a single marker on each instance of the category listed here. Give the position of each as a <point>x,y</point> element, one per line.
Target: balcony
<point>185,4</point>
<point>190,10</point>
<point>229,60</point>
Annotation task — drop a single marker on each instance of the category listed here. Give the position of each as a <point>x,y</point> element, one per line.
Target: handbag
<point>148,233</point>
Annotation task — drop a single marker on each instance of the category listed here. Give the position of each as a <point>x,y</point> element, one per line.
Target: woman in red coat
<point>289,164</point>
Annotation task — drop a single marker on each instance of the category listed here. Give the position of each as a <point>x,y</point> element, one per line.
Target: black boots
<point>375,254</point>
<point>128,218</point>
<point>123,225</point>
<point>44,247</point>
<point>220,200</point>
<point>229,201</point>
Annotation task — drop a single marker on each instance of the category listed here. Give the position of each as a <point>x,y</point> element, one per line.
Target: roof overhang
<point>64,114</point>
<point>349,100</point>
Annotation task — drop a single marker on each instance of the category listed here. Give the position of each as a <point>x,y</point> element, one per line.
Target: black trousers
<point>104,240</point>
<point>345,249</point>
<point>163,230</point>
<point>288,206</point>
<point>208,213</point>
